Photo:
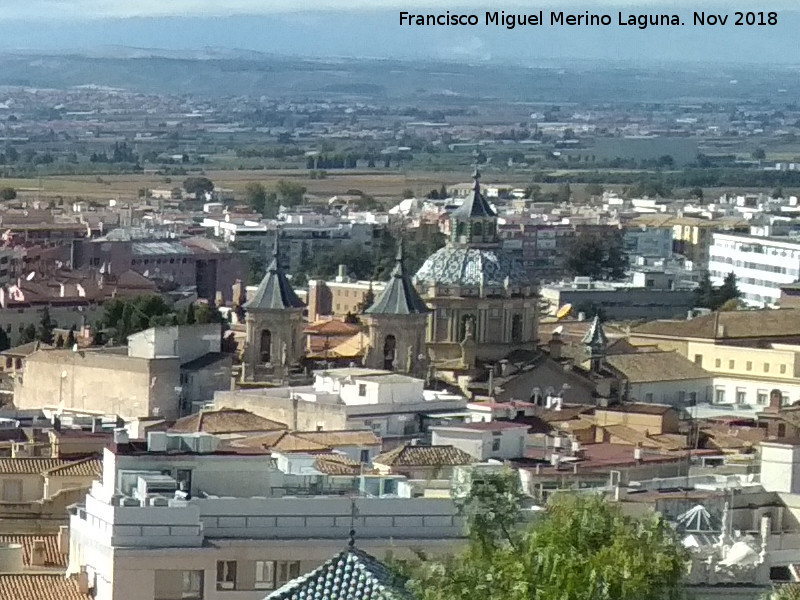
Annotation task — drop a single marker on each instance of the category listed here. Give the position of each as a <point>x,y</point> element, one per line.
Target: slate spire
<point>274,291</point>
<point>399,297</point>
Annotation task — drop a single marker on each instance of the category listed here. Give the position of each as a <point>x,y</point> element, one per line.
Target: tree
<point>408,193</point>
<point>582,547</point>
<point>122,317</point>
<point>59,341</point>
<point>597,256</point>
<point>28,334</point>
<point>8,193</point>
<point>256,196</point>
<point>71,341</point>
<point>594,189</point>
<point>198,186</point>
<point>5,343</point>
<point>190,318</point>
<point>759,154</point>
<point>290,193</point>
<point>704,293</point>
<point>46,327</point>
<point>728,290</point>
<point>696,192</point>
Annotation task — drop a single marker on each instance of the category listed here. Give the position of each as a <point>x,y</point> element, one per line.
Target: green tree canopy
<point>46,327</point>
<point>290,193</point>
<point>8,193</point>
<point>581,548</point>
<point>708,296</point>
<point>198,185</point>
<point>122,317</point>
<point>597,256</point>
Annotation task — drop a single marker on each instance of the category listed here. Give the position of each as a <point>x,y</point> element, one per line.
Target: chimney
<point>775,401</point>
<point>63,540</point>
<point>38,554</point>
<point>341,276</point>
<point>637,454</point>
<point>83,582</point>
<point>120,436</point>
<point>555,346</point>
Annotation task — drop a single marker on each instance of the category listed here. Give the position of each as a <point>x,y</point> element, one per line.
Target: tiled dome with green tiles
<point>351,575</point>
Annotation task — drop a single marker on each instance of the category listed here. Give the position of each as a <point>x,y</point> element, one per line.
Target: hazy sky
<point>93,9</point>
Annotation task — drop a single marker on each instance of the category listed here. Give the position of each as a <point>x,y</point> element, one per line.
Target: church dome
<point>469,266</point>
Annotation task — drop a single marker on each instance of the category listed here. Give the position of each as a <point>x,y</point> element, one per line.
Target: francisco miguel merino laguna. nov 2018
<point>536,19</point>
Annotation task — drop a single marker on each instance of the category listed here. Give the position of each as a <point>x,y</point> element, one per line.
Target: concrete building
<point>618,301</point>
<point>647,241</point>
<point>162,372</point>
<point>179,517</point>
<point>762,265</point>
<point>209,266</point>
<point>339,297</point>
<point>388,403</point>
<point>500,440</point>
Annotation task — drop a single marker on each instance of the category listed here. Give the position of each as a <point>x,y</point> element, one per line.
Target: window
<point>781,429</point>
<point>265,575</point>
<point>192,585</point>
<point>698,360</point>
<point>749,365</point>
<point>496,443</point>
<point>648,397</point>
<point>362,389</point>
<point>364,456</point>
<point>719,395</point>
<point>731,364</point>
<point>226,574</point>
<point>782,369</point>
<point>766,367</point>
<point>761,397</point>
<point>717,362</point>
<point>741,395</point>
<point>286,570</point>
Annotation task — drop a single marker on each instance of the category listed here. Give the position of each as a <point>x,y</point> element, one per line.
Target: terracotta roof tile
<point>424,456</point>
<point>40,587</point>
<point>645,367</point>
<point>784,322</point>
<point>32,466</point>
<point>52,557</point>
<point>344,437</point>
<point>337,464</point>
<point>89,467</point>
<point>225,420</point>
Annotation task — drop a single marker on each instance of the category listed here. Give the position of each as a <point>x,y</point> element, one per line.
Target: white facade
<point>138,540</point>
<point>483,441</point>
<point>761,265</point>
<point>780,467</point>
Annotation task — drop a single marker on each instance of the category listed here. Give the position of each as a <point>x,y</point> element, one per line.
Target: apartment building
<point>747,354</point>
<point>762,265</point>
<point>340,296</point>
<point>180,516</point>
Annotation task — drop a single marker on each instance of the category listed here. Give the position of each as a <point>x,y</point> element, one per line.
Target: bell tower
<point>396,324</point>
<point>274,322</point>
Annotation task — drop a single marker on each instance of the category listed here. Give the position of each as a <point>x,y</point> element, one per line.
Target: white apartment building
<point>180,517</point>
<point>761,265</point>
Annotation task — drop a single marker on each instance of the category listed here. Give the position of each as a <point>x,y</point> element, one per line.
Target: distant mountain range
<point>378,34</point>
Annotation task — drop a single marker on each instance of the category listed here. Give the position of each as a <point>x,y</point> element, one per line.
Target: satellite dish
<point>564,311</point>
<point>30,276</point>
<point>558,330</point>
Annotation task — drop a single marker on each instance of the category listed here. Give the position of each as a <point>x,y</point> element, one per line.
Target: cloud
<point>98,9</point>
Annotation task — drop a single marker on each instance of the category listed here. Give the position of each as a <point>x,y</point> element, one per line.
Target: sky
<point>370,28</point>
<point>82,10</point>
